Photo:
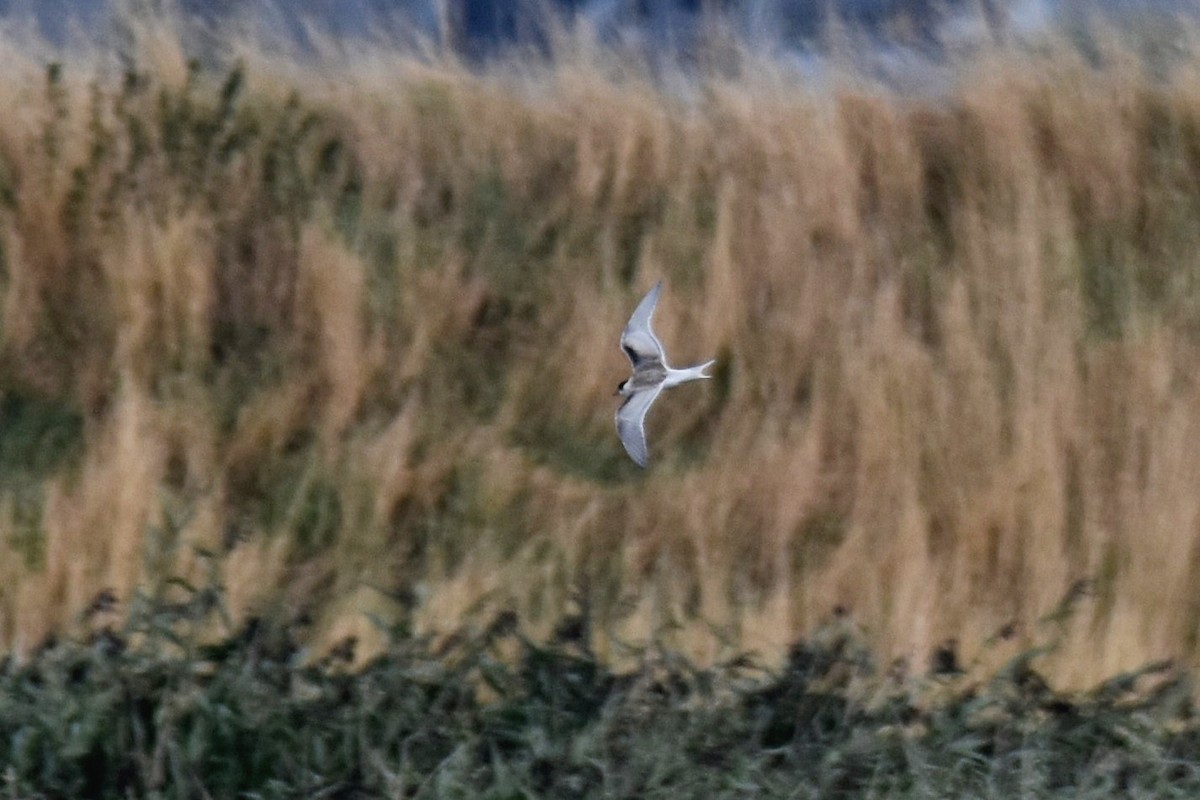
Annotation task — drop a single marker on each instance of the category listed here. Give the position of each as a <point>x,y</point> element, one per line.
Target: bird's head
<point>622,388</point>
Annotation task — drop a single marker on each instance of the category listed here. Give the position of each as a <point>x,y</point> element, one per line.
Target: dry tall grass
<point>355,329</point>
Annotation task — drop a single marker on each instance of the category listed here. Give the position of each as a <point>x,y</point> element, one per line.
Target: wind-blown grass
<point>353,321</point>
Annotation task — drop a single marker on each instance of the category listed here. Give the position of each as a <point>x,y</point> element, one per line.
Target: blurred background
<point>482,27</point>
<point>321,300</point>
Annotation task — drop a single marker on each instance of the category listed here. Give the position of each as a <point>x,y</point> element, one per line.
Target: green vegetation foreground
<point>350,326</point>
<point>150,711</point>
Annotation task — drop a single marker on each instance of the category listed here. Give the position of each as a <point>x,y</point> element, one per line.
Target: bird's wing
<point>638,340</point>
<point>631,424</point>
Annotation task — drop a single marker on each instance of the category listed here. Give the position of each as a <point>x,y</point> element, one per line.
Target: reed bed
<point>348,325</point>
<point>147,708</point>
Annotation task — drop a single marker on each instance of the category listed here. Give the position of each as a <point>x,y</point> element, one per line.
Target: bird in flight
<point>651,374</point>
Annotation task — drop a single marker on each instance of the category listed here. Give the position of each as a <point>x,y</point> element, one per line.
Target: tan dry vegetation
<point>354,328</point>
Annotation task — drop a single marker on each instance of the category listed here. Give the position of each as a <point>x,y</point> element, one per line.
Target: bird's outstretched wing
<point>638,340</point>
<point>631,423</point>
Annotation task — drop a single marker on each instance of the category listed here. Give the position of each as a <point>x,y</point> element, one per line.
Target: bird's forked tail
<point>697,372</point>
<point>686,374</point>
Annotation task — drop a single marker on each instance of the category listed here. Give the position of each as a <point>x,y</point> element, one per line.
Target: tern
<point>651,374</point>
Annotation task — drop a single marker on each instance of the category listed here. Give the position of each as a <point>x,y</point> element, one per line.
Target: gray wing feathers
<point>631,424</point>
<point>638,340</point>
